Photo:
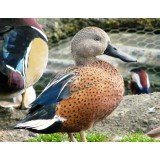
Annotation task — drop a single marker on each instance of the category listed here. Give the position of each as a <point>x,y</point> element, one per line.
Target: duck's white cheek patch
<point>136,78</point>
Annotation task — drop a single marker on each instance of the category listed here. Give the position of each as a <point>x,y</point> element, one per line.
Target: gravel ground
<point>15,135</point>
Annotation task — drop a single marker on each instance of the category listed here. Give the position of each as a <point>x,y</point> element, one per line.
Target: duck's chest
<point>102,89</point>
<point>99,76</point>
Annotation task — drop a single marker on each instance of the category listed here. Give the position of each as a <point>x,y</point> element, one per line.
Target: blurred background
<point>139,37</point>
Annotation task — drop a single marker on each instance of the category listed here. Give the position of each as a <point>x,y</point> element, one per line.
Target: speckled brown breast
<point>97,91</point>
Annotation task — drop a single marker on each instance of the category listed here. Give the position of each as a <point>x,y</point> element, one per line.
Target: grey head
<point>91,42</point>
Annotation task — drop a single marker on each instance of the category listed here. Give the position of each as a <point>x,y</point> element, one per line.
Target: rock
<point>9,115</point>
<point>60,28</point>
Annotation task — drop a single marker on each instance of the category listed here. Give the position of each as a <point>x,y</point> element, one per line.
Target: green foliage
<point>59,137</point>
<point>56,137</point>
<point>94,137</point>
<point>137,137</point>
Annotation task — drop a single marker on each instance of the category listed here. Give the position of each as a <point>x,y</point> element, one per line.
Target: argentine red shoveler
<point>83,95</point>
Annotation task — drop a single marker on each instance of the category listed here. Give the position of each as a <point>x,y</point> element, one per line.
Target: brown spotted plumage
<point>82,95</point>
<point>97,91</point>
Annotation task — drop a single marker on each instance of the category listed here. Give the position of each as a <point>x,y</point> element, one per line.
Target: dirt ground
<point>135,113</point>
<point>14,135</point>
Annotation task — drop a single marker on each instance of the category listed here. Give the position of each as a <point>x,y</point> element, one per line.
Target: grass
<point>137,137</point>
<point>59,137</point>
<point>94,137</point>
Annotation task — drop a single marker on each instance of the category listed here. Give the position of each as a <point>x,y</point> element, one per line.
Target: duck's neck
<point>83,61</point>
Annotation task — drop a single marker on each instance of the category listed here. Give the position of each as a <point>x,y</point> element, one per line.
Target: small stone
<point>117,138</point>
<point>151,110</point>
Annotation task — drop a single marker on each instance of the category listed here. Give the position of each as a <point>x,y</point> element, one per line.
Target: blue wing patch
<point>55,92</point>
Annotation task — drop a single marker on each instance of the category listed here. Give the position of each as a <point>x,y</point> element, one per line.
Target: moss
<point>58,29</point>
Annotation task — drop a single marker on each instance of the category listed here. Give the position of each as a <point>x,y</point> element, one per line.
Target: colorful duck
<point>23,55</point>
<point>139,83</point>
<point>83,95</point>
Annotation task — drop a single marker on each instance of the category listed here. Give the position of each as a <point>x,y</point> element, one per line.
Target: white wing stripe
<point>45,125</point>
<point>41,124</point>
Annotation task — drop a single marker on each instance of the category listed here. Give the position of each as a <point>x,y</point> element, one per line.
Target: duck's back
<point>96,93</point>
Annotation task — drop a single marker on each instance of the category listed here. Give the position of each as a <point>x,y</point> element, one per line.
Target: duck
<point>82,95</point>
<point>139,81</point>
<point>23,56</point>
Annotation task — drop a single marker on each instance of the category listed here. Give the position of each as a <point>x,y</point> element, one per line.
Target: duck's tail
<point>43,121</point>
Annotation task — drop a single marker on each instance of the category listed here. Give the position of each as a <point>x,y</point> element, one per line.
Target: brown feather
<point>97,91</point>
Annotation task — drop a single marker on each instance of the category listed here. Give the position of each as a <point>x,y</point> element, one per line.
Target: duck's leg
<point>71,136</point>
<point>23,103</point>
<point>18,100</point>
<point>27,97</point>
<point>83,136</point>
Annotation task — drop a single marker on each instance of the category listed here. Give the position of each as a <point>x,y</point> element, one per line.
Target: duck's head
<point>91,42</point>
<point>139,81</point>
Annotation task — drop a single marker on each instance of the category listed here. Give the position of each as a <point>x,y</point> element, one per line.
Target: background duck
<point>81,96</point>
<point>139,81</point>
<point>23,55</point>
